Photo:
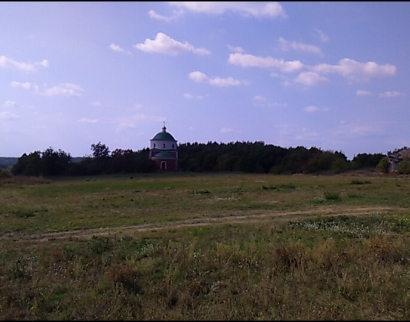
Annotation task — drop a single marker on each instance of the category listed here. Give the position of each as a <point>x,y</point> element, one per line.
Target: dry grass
<point>244,257</point>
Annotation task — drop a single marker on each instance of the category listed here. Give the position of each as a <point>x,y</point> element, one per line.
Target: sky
<point>330,75</point>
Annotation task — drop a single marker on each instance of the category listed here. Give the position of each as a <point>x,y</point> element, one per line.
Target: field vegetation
<point>217,246</point>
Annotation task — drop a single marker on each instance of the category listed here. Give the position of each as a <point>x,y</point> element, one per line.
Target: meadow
<point>205,246</point>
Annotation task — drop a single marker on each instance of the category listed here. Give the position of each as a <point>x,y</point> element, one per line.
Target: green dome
<point>163,136</point>
<point>163,155</point>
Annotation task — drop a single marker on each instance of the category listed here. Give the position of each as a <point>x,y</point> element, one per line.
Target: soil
<point>195,222</point>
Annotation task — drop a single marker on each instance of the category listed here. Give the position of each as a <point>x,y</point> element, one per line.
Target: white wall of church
<point>163,145</point>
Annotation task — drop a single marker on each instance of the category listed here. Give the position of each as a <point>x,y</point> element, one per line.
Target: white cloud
<point>360,92</point>
<point>132,121</point>
<point>200,77</point>
<point>65,89</point>
<point>8,116</point>
<point>27,67</point>
<point>86,120</point>
<point>259,98</point>
<point>321,35</point>
<point>255,9</point>
<point>226,130</point>
<point>96,103</point>
<point>224,82</point>
<point>354,70</point>
<point>310,79</point>
<point>390,94</point>
<point>247,60</point>
<point>286,45</point>
<point>189,96</point>
<point>152,14</point>
<point>9,103</point>
<point>26,85</point>
<point>313,108</point>
<point>163,44</point>
<point>235,49</point>
<point>116,47</point>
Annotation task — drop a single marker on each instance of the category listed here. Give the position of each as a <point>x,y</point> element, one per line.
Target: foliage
<point>404,166</point>
<point>4,174</point>
<point>48,162</point>
<point>100,151</point>
<point>366,160</point>
<point>383,165</point>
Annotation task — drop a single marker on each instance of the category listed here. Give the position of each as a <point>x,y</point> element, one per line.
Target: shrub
<point>4,174</point>
<point>332,195</point>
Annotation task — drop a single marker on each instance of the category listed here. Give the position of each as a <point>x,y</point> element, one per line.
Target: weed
<point>332,196</point>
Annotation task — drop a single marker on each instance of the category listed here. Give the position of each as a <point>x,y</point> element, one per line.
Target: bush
<point>404,166</point>
<point>4,174</point>
<point>383,165</point>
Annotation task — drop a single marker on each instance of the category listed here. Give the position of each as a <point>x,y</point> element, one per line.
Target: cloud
<point>322,37</point>
<point>65,89</point>
<point>26,85</point>
<point>116,48</point>
<point>226,130</point>
<point>390,94</point>
<point>235,49</point>
<point>313,108</point>
<point>9,103</point>
<point>310,78</point>
<point>86,120</point>
<point>27,67</point>
<point>200,77</point>
<point>96,103</point>
<point>163,44</point>
<point>189,96</point>
<point>286,45</point>
<point>8,116</point>
<point>153,15</point>
<point>354,70</point>
<point>360,92</point>
<point>259,98</point>
<point>255,9</point>
<point>247,60</point>
<point>132,121</point>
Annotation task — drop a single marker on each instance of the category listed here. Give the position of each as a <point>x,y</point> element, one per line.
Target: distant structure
<point>163,150</point>
<point>396,156</point>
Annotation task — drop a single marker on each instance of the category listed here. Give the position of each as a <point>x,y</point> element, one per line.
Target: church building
<point>163,150</point>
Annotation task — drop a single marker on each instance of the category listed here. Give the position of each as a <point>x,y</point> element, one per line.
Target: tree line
<point>249,157</point>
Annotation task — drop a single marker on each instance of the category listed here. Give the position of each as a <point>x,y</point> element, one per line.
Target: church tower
<point>163,150</point>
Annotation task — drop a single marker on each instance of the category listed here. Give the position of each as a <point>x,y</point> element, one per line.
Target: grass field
<point>205,247</point>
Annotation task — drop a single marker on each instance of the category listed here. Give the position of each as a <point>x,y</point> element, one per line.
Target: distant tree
<point>54,162</point>
<point>383,165</point>
<point>100,151</point>
<point>28,165</point>
<point>404,166</point>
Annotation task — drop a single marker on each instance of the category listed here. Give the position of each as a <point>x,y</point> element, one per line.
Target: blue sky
<point>333,75</point>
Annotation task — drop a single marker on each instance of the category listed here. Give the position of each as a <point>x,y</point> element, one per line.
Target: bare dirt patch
<point>254,217</point>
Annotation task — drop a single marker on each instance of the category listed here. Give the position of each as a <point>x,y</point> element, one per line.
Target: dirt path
<point>195,222</point>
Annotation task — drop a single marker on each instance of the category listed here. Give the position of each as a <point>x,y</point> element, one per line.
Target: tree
<point>404,166</point>
<point>100,151</point>
<point>54,162</point>
<point>28,165</point>
<point>383,165</point>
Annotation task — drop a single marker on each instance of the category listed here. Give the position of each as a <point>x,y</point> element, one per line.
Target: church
<point>163,151</point>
